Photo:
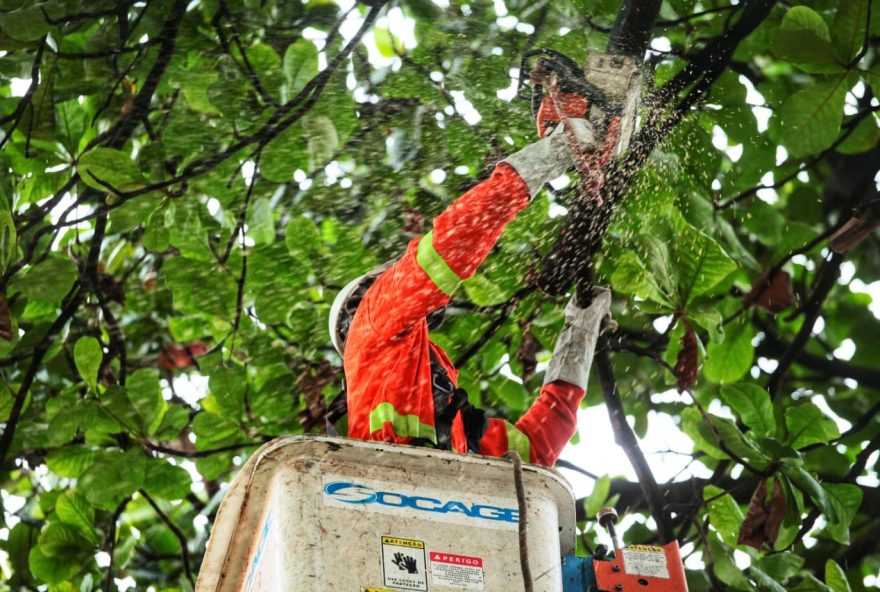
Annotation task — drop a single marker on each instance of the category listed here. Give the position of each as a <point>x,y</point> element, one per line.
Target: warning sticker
<point>403,564</point>
<point>457,571</point>
<point>645,560</point>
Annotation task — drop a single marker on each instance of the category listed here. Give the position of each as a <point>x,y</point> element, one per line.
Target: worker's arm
<point>464,234</point>
<point>544,430</point>
<point>434,265</point>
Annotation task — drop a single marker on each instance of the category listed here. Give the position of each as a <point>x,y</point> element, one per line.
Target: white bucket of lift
<point>315,514</point>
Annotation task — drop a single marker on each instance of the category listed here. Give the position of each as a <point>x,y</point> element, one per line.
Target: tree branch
<point>184,550</point>
<point>26,99</point>
<point>812,309</point>
<point>625,437</point>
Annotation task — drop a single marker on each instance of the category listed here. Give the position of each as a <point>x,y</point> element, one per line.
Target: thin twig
<point>181,537</point>
<point>26,99</point>
<point>826,281</point>
<point>111,541</point>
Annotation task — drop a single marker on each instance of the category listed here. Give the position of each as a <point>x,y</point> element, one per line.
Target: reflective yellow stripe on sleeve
<point>433,264</point>
<point>405,426</point>
<point>518,441</point>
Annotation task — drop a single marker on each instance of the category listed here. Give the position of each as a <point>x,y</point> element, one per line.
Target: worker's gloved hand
<point>552,156</point>
<point>573,106</point>
<point>576,344</point>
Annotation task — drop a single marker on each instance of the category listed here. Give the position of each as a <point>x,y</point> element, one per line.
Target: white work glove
<point>576,344</point>
<point>550,157</point>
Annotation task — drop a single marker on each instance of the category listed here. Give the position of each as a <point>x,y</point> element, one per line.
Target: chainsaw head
<point>619,80</point>
<point>605,91</point>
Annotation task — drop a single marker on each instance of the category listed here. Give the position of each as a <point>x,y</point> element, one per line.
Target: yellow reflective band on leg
<point>405,426</point>
<point>433,264</point>
<point>518,442</point>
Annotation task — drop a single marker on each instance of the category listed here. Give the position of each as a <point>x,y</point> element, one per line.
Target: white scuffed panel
<point>316,514</point>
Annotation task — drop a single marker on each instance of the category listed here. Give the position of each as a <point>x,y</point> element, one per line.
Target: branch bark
<point>626,438</point>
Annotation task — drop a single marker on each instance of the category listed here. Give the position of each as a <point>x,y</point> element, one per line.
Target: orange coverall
<point>387,359</point>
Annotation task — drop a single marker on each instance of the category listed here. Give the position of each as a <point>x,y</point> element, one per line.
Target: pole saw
<point>606,93</point>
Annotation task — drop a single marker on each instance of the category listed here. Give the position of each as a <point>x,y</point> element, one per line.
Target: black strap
<point>449,400</point>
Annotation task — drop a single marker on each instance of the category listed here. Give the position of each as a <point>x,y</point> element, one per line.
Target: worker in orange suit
<point>401,386</point>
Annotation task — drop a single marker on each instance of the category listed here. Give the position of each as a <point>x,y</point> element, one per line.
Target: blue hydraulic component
<point>577,574</point>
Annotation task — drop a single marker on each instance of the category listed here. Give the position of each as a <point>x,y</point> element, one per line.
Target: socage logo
<point>361,495</point>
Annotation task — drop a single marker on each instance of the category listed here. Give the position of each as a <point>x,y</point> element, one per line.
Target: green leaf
<point>810,119</point>
<point>213,430</point>
<point>26,23</point>
<point>195,90</point>
<point>108,169</point>
<point>72,461</point>
<point>765,222</point>
<point>724,513</point>
<point>53,569</point>
<point>863,138</point>
<point>73,509</point>
<point>302,238</point>
<point>300,66</point>
<point>596,500</point>
<point>8,239</point>
<point>807,425</point>
<point>284,154</point>
<point>145,394</point>
<point>846,500</point>
<point>780,566</point>
<point>728,361</point>
<point>173,421</point>
<point>323,140</point>
<point>810,486</point>
<point>804,40</point>
<point>49,280</point>
<point>764,581</point>
<point>228,385</point>
<point>752,405</point>
<point>725,567</point>
<point>684,263</point>
<point>87,354</point>
<point>704,439</point>
<point>166,481</point>
<point>161,540</point>
<point>848,30</point>
<point>483,292</point>
<point>113,476</point>
<point>58,538</point>
<point>511,393</point>
<point>835,577</point>
<point>632,277</point>
<point>261,223</point>
<point>386,42</point>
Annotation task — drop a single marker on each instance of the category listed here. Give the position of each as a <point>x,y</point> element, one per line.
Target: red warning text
<point>454,559</point>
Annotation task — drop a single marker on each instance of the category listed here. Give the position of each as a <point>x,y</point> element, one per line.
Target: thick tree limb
<point>625,437</point>
<point>774,347</point>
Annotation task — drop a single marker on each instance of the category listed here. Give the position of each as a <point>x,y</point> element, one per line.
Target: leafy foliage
<point>186,185</point>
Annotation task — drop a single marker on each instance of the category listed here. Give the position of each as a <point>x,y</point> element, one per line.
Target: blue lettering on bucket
<point>361,495</point>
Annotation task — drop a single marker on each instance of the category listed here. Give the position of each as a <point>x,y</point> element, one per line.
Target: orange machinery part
<point>645,571</point>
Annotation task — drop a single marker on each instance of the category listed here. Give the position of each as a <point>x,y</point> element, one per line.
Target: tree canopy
<point>186,184</point>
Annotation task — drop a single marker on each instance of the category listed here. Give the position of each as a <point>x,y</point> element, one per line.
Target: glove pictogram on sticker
<point>405,562</point>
